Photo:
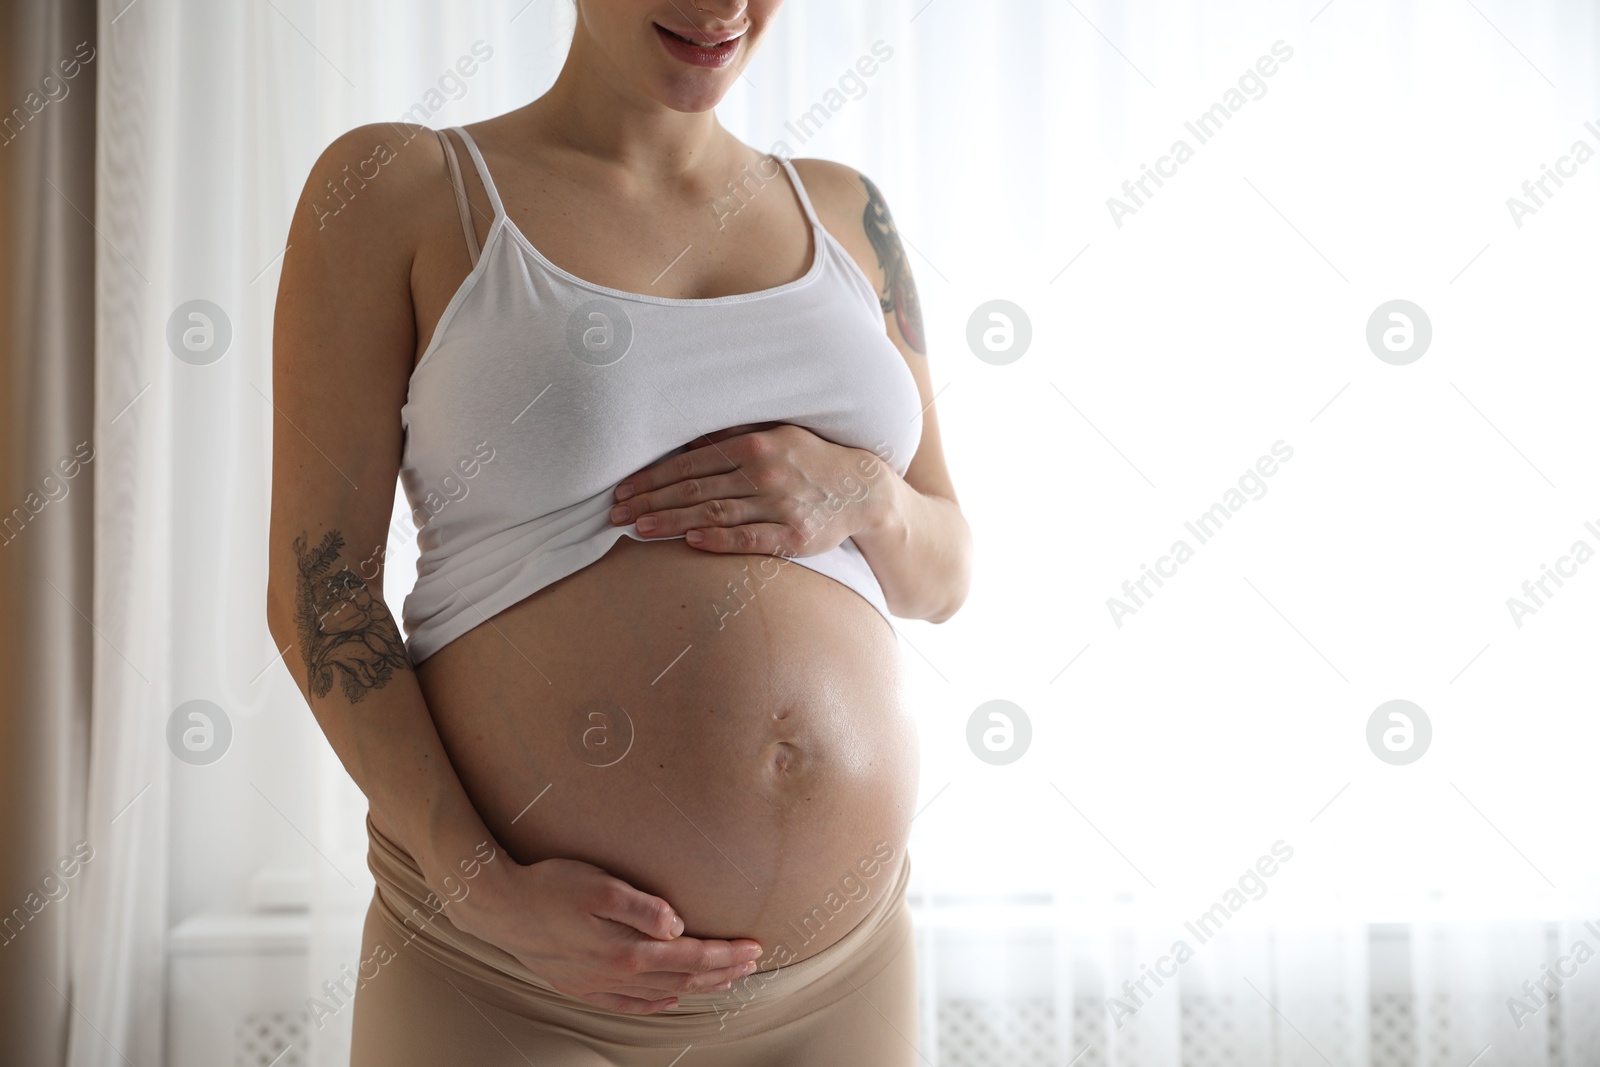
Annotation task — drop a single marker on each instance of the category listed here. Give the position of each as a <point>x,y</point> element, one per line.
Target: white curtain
<point>1175,341</point>
<point>117,973</point>
<point>212,114</point>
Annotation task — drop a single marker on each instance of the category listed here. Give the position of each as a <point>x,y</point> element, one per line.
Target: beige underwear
<point>430,994</point>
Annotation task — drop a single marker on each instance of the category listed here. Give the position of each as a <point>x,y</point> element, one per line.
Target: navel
<point>786,759</point>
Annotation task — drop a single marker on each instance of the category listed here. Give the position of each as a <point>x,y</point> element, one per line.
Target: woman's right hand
<point>594,936</point>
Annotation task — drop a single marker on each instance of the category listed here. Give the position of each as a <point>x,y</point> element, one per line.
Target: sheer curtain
<point>1188,752</point>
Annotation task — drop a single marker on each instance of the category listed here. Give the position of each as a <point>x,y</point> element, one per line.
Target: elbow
<point>956,585</point>
<point>275,624</point>
<point>280,613</point>
<point>955,598</point>
<point>934,602</point>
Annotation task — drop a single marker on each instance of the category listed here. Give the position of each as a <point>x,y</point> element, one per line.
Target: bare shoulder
<point>345,293</point>
<point>852,208</point>
<point>825,176</point>
<point>370,182</point>
<point>839,193</point>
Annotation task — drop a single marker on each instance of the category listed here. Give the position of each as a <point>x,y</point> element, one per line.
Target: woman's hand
<point>596,937</point>
<point>772,489</point>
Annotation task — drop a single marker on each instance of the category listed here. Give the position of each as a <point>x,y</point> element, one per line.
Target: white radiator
<point>238,987</point>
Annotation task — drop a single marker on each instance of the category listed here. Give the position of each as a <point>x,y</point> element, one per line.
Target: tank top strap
<point>800,191</point>
<point>483,171</point>
<point>463,208</point>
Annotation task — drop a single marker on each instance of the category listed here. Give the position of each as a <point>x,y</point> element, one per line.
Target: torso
<point>768,759</point>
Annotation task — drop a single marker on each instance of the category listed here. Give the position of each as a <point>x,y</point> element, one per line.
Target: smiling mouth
<point>704,46</point>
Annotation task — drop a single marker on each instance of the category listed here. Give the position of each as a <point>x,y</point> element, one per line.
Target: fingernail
<point>619,513</point>
<point>677,926</point>
<point>624,490</point>
<point>646,523</point>
<point>747,968</point>
<point>694,537</point>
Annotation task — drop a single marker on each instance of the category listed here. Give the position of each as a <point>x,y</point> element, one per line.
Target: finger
<point>683,494</point>
<point>692,955</point>
<point>629,1005</point>
<point>711,981</point>
<point>718,458</point>
<point>699,462</point>
<point>621,902</point>
<point>738,511</point>
<point>754,539</point>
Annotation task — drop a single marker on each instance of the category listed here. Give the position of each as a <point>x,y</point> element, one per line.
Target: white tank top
<point>539,392</point>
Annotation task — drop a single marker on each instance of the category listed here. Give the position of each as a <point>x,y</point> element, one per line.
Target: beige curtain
<point>47,276</point>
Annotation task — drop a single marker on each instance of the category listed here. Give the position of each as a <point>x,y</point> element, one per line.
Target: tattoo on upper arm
<point>344,629</point>
<point>900,292</point>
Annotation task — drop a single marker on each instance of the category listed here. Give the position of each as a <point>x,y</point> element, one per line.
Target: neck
<point>592,109</point>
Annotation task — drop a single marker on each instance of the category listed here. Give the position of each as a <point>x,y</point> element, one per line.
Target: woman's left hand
<point>771,489</point>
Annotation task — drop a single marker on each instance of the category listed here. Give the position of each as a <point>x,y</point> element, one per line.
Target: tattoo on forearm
<point>344,629</point>
<point>900,292</point>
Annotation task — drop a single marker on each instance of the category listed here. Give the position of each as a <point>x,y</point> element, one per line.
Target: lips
<point>698,48</point>
<point>700,37</point>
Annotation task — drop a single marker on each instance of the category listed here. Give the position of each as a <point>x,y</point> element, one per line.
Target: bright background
<point>1167,355</point>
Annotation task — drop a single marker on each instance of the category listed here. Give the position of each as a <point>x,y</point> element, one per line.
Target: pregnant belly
<point>722,731</point>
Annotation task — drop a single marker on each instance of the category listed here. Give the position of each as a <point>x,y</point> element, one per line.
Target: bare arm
<point>343,348</point>
<point>342,351</point>
<point>913,533</point>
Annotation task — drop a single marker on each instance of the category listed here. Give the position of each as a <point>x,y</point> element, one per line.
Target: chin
<point>685,57</point>
<point>690,100</point>
<point>685,88</point>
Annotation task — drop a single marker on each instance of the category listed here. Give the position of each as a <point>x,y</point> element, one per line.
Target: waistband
<point>757,1002</point>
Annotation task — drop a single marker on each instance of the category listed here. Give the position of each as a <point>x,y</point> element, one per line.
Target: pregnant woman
<point>640,777</point>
